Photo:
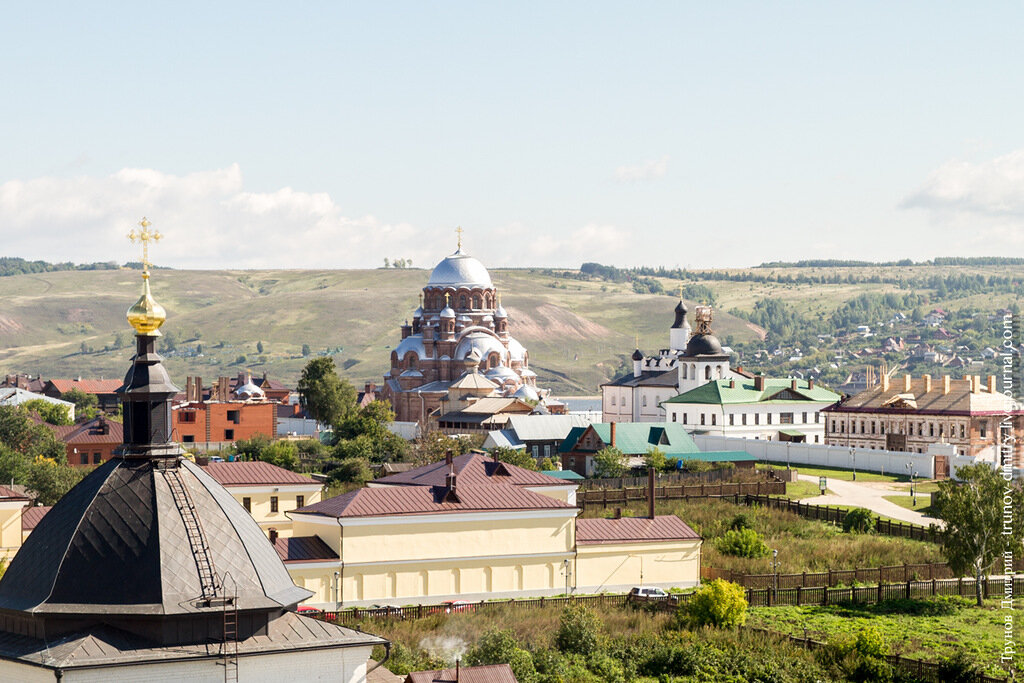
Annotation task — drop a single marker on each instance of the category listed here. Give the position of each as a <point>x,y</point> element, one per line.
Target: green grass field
<point>920,629</point>
<point>924,502</point>
<point>843,474</point>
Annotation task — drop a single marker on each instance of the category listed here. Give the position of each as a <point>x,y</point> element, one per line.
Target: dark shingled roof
<point>421,500</point>
<point>633,530</point>
<point>123,518</point>
<point>253,473</point>
<point>472,469</point>
<point>647,378</point>
<point>107,646</point>
<point>303,549</point>
<point>491,673</point>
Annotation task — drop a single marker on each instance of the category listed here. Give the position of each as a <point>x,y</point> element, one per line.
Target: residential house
<point>24,381</point>
<point>538,435</point>
<point>105,391</point>
<point>224,416</point>
<point>16,396</point>
<point>482,415</point>
<point>266,491</point>
<point>634,439</point>
<point>758,408</point>
<point>90,443</point>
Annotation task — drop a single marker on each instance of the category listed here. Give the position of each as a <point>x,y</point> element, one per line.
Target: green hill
<point>579,332</point>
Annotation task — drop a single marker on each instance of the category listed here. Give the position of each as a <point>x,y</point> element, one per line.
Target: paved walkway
<point>867,495</point>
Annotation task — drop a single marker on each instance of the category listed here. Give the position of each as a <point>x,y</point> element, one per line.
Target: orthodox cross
<point>680,291</point>
<point>637,339</point>
<point>459,231</point>
<point>446,297</point>
<point>145,236</point>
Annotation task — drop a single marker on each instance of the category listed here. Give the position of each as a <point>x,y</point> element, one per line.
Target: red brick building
<point>224,416</point>
<point>90,443</point>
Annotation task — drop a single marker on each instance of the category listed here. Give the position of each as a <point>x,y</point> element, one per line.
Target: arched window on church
<point>493,360</point>
<point>462,301</point>
<point>476,302</point>
<point>685,368</point>
<point>707,372</point>
<point>718,372</point>
<point>410,361</point>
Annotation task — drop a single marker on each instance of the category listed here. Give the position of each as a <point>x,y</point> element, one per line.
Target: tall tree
<point>324,395</point>
<point>975,536</point>
<point>609,462</point>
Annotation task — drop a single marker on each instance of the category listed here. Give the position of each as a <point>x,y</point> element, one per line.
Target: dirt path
<point>868,495</point>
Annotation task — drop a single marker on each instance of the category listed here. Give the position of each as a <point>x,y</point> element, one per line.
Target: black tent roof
<point>117,544</point>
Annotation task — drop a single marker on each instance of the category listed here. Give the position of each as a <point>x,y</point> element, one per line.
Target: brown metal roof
<point>633,530</point>
<point>960,399</point>
<point>472,469</point>
<point>31,515</point>
<point>303,549</point>
<point>492,673</point>
<point>89,386</point>
<point>91,432</point>
<point>424,500</point>
<point>253,473</point>
<point>11,494</point>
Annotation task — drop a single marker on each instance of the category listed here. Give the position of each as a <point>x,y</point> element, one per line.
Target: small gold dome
<point>146,316</point>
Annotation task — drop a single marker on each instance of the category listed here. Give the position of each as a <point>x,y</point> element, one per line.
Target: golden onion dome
<point>146,315</point>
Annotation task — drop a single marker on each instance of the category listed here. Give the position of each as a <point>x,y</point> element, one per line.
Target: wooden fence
<point>918,667</point>
<point>689,478</point>
<point>625,496</point>
<point>831,578</point>
<point>829,513</point>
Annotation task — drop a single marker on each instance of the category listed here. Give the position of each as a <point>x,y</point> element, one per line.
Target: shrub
<point>859,520</point>
<point>501,647</point>
<point>959,668</point>
<point>742,543</point>
<point>579,630</point>
<point>720,604</point>
<point>743,520</point>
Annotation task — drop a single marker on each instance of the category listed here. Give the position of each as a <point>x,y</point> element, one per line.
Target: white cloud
<point>991,188</point>
<point>210,220</point>
<point>649,170</point>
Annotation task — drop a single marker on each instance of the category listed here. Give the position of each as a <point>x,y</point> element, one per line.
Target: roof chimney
<point>906,383</point>
<point>792,384</point>
<point>945,385</point>
<point>650,492</point>
<point>885,382</point>
<point>977,384</point>
<point>448,459</point>
<point>732,383</point>
<point>759,383</point>
<point>927,383</point>
<point>991,384</point>
<point>613,435</point>
<point>272,532</point>
<point>810,383</point>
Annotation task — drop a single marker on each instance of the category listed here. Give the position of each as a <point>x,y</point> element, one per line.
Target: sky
<point>338,134</point>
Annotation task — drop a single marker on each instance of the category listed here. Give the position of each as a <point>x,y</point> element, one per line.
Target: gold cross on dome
<point>680,291</point>
<point>446,297</point>
<point>145,236</point>
<point>459,231</point>
<point>637,339</point>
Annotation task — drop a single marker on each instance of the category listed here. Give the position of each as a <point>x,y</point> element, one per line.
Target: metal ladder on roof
<point>229,646</point>
<point>194,530</point>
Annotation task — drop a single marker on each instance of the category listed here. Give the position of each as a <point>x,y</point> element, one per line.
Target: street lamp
<point>568,572</point>
<point>775,570</point>
<point>853,456</point>
<point>788,444</point>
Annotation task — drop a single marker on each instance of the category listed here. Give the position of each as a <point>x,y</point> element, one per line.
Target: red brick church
<point>459,331</point>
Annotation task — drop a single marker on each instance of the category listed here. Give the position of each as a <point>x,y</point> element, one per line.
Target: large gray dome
<point>704,345</point>
<point>460,270</point>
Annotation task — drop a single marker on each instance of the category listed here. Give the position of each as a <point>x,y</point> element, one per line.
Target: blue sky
<point>337,134</point>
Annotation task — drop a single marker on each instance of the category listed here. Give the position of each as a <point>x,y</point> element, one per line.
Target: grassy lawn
<point>845,475</point>
<point>803,544</point>
<point>798,490</point>
<point>924,502</point>
<point>921,629</point>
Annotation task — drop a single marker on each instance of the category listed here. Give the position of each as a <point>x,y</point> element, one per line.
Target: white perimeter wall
<point>820,455</point>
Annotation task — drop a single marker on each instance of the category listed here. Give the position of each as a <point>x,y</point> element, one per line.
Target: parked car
<point>650,594</point>
<point>387,611</point>
<point>457,606</point>
<point>307,611</point>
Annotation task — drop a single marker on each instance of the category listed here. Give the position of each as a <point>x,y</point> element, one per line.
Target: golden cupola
<point>146,315</point>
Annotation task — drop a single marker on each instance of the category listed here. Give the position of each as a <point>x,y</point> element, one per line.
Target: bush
<point>579,631</point>
<point>859,520</point>
<point>743,520</point>
<point>959,668</point>
<point>720,604</point>
<point>501,647</point>
<point>742,543</point>
<point>350,470</point>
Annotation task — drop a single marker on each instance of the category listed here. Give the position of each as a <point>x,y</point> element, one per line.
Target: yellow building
<point>613,555</point>
<point>12,505</point>
<point>267,491</point>
<point>488,530</point>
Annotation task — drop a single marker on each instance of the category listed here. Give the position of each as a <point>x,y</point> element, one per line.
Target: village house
<point>16,396</point>
<point>89,443</point>
<point>105,390</point>
<point>224,415</point>
<point>538,435</point>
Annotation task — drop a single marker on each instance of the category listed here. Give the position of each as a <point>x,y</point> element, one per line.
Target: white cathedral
<point>690,361</point>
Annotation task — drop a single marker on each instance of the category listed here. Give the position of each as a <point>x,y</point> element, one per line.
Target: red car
<point>457,606</point>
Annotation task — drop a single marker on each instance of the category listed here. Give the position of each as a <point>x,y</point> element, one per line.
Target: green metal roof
<point>569,442</point>
<point>792,432</point>
<point>562,474</point>
<point>720,456</point>
<point>638,438</point>
<point>776,391</point>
